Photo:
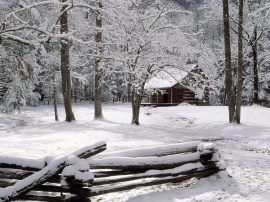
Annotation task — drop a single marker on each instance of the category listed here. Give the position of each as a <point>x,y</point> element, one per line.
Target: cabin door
<point>165,98</point>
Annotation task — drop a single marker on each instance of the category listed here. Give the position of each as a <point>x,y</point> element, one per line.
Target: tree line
<point>62,51</point>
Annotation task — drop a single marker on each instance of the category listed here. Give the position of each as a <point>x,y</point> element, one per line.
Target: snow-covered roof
<point>167,78</point>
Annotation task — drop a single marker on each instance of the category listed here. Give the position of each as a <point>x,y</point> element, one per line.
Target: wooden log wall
<point>180,95</point>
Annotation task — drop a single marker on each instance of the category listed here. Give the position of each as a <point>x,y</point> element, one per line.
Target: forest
<point>74,51</point>
<point>97,100</point>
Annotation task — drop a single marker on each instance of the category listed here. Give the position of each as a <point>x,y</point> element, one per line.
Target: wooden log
<point>124,165</point>
<point>36,165</point>
<point>79,195</point>
<point>74,198</point>
<point>109,173</point>
<point>208,153</point>
<point>144,163</point>
<point>54,192</point>
<point>21,163</point>
<point>46,187</point>
<point>157,151</point>
<point>92,150</point>
<point>19,174</point>
<point>39,196</point>
<point>75,183</point>
<point>7,182</point>
<point>30,182</point>
<point>73,194</point>
<point>148,182</point>
<point>49,187</point>
<point>14,173</point>
<point>186,169</point>
<point>40,177</point>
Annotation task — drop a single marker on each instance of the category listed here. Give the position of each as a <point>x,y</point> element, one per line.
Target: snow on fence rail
<point>82,175</point>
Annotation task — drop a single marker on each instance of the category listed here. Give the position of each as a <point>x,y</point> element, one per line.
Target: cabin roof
<point>167,78</point>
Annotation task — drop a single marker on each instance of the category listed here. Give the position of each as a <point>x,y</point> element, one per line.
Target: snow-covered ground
<point>245,148</point>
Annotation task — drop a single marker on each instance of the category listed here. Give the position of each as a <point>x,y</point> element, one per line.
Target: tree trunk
<point>129,91</point>
<point>228,66</point>
<point>65,65</point>
<point>240,63</point>
<point>255,68</point>
<point>55,98</point>
<point>98,39</point>
<point>75,94</point>
<point>135,102</point>
<point>136,99</point>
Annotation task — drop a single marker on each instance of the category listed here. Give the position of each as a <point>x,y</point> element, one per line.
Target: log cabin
<point>173,86</point>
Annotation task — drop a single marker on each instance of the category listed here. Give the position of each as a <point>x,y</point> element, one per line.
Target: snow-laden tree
<point>255,35</point>
<point>146,43</point>
<point>19,74</point>
<point>208,28</point>
<point>34,23</point>
<point>255,51</point>
<point>49,78</point>
<point>19,65</point>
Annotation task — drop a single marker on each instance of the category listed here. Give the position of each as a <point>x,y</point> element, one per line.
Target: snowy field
<point>245,148</point>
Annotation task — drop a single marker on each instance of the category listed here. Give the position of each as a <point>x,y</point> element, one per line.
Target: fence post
<point>208,153</point>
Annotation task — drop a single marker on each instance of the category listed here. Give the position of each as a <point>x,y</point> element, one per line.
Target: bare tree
<point>240,62</point>
<point>55,97</point>
<point>253,42</point>
<point>65,64</point>
<point>254,32</point>
<point>98,39</point>
<point>228,65</point>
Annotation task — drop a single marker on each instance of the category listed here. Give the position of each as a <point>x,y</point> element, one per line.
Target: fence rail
<point>87,172</point>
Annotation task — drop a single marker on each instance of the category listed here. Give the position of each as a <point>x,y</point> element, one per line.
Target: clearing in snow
<point>245,148</point>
